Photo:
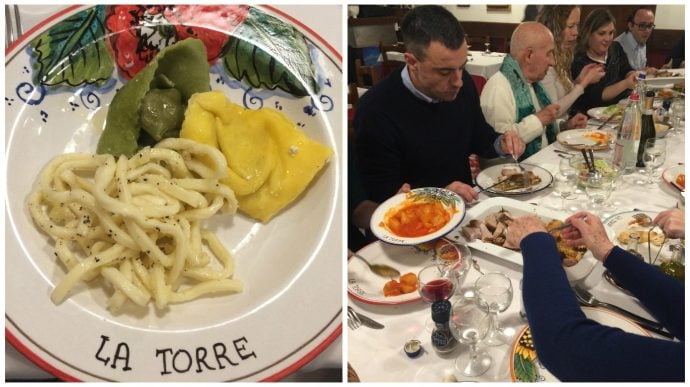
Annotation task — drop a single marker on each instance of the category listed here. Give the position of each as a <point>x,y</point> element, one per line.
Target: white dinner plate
<point>365,286</point>
<point>622,221</point>
<point>598,113</point>
<point>524,368</point>
<point>661,82</point>
<point>451,201</point>
<point>671,174</point>
<point>291,267</point>
<point>578,139</point>
<point>518,208</point>
<point>489,176</point>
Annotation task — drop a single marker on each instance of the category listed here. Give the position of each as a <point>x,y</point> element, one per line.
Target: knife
<point>369,322</point>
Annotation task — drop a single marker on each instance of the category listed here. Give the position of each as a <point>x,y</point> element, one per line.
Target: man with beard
<point>421,123</point>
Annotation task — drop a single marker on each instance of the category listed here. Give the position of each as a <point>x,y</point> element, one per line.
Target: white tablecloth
<point>478,63</point>
<point>325,20</point>
<point>377,355</point>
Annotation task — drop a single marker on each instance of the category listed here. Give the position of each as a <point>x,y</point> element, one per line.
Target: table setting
<point>575,173</point>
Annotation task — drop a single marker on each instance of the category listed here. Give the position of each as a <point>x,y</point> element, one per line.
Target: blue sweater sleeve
<point>574,348</point>
<point>662,295</point>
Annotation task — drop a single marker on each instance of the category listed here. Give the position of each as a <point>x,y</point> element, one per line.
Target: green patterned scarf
<point>524,105</point>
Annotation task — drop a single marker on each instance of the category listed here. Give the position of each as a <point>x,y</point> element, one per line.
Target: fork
<point>525,176</point>
<point>353,320</point>
<point>13,25</point>
<point>588,299</point>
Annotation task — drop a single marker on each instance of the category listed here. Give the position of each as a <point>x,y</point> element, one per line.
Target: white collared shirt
<point>407,81</point>
<point>636,53</point>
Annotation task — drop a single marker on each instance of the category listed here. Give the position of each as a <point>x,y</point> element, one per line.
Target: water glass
<point>677,116</point>
<point>470,325</point>
<point>654,156</point>
<point>598,189</point>
<point>494,293</point>
<point>565,185</point>
<point>455,258</point>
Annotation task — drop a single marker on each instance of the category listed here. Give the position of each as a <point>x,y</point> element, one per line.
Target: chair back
<point>391,57</point>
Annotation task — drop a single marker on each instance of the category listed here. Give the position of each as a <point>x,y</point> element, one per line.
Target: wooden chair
<point>476,43</point>
<point>366,75</point>
<point>391,62</point>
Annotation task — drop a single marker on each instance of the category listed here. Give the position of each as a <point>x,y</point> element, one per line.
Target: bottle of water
<point>628,141</point>
<point>641,87</point>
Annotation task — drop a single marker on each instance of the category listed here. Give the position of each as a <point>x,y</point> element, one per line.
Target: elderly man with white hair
<point>513,98</point>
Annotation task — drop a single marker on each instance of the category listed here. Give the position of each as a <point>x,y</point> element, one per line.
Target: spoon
<point>379,269</point>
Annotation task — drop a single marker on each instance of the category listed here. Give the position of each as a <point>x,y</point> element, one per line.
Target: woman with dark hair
<point>563,22</point>
<point>596,45</point>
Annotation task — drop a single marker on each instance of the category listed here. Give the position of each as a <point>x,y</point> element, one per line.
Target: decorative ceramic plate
<point>60,78</point>
<point>489,176</point>
<point>365,286</point>
<point>451,202</point>
<point>600,114</point>
<point>668,78</point>
<point>583,139</point>
<point>517,208</point>
<point>671,174</point>
<point>624,221</point>
<point>524,363</point>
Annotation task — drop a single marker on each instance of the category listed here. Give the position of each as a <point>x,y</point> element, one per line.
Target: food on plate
<point>446,251</point>
<point>599,138</point>
<point>137,223</point>
<point>657,238</point>
<point>270,161</point>
<point>155,99</point>
<point>511,178</point>
<point>569,255</point>
<point>416,218</point>
<point>664,74</point>
<point>601,165</point>
<point>494,229</point>
<point>407,284</point>
<point>614,111</point>
<point>680,180</point>
<point>665,93</point>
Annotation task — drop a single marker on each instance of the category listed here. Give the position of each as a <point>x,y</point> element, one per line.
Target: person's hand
<point>579,120</point>
<point>630,80</point>
<point>588,230</point>
<point>465,191</point>
<point>548,114</point>
<point>672,222</point>
<point>512,144</point>
<point>521,227</point>
<point>405,188</point>
<point>591,73</point>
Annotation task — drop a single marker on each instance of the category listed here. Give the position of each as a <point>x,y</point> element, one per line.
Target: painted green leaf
<point>525,371</point>
<point>74,51</point>
<point>267,52</point>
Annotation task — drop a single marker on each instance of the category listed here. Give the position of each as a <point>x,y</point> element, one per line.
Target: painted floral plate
<point>524,363</point>
<point>60,78</point>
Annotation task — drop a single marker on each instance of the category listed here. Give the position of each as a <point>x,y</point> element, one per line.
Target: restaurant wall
<point>668,16</point>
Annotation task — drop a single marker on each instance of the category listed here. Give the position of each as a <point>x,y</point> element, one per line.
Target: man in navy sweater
<point>420,124</point>
<point>574,348</point>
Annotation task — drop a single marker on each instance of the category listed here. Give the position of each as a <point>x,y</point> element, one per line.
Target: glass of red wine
<point>435,284</point>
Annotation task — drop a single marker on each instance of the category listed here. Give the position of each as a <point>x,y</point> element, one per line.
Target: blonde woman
<point>563,21</point>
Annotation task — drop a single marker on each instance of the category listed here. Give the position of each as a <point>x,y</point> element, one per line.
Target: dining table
<point>377,355</point>
<point>322,365</point>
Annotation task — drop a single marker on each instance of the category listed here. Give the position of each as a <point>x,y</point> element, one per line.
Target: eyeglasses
<point>644,26</point>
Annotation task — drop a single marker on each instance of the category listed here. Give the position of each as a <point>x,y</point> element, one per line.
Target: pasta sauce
<point>415,219</point>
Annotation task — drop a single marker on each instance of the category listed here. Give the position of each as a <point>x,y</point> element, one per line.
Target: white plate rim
<point>574,273</point>
<point>597,114</point>
<point>332,327</point>
<point>488,176</point>
<point>382,234</point>
<point>576,134</point>
<point>614,222</point>
<point>373,252</point>
<point>670,174</point>
<point>600,315</point>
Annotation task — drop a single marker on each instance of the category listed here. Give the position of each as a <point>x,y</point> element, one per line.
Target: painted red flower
<point>138,33</point>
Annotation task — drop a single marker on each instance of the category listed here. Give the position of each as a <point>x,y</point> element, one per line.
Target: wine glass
<point>470,325</point>
<point>654,156</point>
<point>487,51</point>
<point>455,258</point>
<point>434,283</point>
<point>598,189</point>
<point>677,117</point>
<point>565,185</point>
<point>494,293</point>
